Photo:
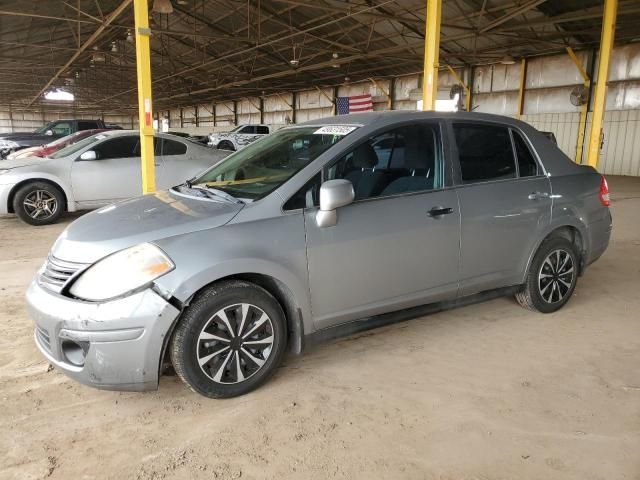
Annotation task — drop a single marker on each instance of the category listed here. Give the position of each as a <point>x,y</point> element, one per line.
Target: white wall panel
<point>505,103</point>
<point>563,125</point>
<point>403,88</point>
<point>554,71</point>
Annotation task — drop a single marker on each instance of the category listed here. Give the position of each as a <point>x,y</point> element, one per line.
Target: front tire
<point>38,203</point>
<point>552,276</point>
<point>230,340</point>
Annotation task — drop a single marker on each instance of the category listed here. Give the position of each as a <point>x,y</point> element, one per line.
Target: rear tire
<point>230,340</point>
<point>39,203</point>
<point>552,276</point>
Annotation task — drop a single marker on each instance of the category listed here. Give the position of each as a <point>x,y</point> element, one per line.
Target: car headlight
<point>8,144</point>
<point>122,272</point>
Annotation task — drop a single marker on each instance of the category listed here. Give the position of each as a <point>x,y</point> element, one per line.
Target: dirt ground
<point>489,391</point>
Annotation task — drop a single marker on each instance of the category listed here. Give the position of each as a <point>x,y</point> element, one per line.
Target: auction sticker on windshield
<point>335,130</point>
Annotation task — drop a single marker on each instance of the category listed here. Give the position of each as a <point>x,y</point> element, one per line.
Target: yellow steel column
<point>606,44</point>
<point>523,83</point>
<point>585,108</point>
<point>431,54</point>
<point>143,67</point>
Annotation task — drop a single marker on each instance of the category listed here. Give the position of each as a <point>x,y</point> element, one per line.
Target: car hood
<point>137,220</point>
<point>22,162</point>
<point>31,138</point>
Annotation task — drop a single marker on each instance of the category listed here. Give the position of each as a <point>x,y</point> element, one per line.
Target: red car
<point>49,148</point>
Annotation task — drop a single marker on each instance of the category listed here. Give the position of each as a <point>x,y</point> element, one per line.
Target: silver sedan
<point>94,172</point>
<point>317,230</point>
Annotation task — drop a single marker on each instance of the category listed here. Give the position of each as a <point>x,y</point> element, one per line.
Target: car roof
<point>393,116</point>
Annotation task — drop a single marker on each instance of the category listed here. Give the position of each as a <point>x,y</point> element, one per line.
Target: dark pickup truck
<point>11,142</point>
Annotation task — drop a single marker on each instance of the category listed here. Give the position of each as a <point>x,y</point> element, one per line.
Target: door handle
<point>538,195</point>
<point>439,211</point>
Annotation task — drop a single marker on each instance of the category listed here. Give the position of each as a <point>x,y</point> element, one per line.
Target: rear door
<point>505,203</point>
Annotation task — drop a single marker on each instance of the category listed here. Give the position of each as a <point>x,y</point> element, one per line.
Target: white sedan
<point>94,172</point>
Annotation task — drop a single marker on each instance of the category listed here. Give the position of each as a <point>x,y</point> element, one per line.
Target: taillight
<point>605,199</point>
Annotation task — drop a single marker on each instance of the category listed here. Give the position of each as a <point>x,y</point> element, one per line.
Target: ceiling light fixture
<point>335,56</point>
<point>114,47</point>
<point>507,60</point>
<point>59,95</point>
<point>162,6</point>
<point>129,36</point>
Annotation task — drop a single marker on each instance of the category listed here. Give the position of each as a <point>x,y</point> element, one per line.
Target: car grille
<point>43,338</point>
<point>56,273</point>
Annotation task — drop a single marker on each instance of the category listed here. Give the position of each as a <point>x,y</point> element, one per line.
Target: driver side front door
<point>114,175</point>
<point>397,245</point>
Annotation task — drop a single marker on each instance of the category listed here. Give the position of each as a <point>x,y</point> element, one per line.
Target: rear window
<point>485,152</point>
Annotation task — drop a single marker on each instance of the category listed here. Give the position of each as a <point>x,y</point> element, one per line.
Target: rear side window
<point>262,130</point>
<point>87,125</point>
<point>485,152</point>
<point>171,147</point>
<point>527,166</point>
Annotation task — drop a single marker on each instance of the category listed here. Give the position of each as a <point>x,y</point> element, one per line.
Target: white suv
<point>238,138</point>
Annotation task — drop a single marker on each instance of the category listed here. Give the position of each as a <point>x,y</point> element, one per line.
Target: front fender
<point>20,179</point>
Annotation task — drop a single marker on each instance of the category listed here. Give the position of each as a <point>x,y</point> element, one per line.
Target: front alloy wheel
<point>235,343</point>
<point>230,339</point>
<point>39,203</point>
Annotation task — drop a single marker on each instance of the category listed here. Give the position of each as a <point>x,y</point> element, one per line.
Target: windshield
<point>76,147</point>
<point>42,130</point>
<point>261,167</point>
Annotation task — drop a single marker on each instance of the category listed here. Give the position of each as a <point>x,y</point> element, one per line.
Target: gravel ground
<point>489,391</point>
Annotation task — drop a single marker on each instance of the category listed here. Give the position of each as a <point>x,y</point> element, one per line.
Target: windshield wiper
<point>213,192</point>
<point>223,194</point>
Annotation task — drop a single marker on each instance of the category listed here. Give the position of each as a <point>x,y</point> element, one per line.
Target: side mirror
<point>88,155</point>
<point>333,195</point>
<point>49,132</point>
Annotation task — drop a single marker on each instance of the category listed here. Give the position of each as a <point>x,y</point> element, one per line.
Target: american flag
<point>354,104</point>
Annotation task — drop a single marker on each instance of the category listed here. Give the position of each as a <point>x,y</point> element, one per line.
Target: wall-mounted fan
<point>579,95</point>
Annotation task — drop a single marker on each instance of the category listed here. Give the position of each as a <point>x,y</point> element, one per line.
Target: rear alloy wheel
<point>230,340</point>
<point>38,203</point>
<point>552,276</point>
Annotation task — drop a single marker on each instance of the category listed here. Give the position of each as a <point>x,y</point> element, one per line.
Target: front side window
<point>527,166</point>
<point>120,147</point>
<point>248,129</point>
<point>403,160</point>
<point>77,146</point>
<point>262,166</point>
<point>485,152</point>
<point>61,128</point>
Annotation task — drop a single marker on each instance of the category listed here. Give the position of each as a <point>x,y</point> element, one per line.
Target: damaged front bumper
<point>115,345</point>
